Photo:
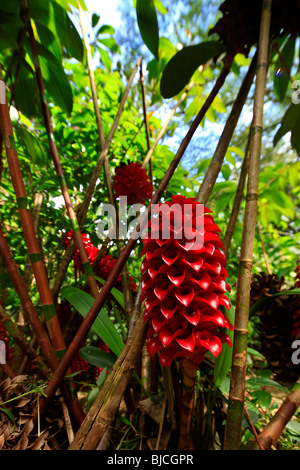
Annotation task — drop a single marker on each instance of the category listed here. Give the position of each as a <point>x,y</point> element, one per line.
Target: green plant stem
<point>28,228</point>
<point>224,141</point>
<point>91,187</point>
<point>58,167</point>
<point>239,355</point>
<point>237,199</point>
<point>277,424</point>
<point>99,302</point>
<point>33,319</point>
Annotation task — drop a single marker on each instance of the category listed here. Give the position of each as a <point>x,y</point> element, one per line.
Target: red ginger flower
<point>131,180</point>
<point>91,250</point>
<point>183,285</point>
<point>106,263</point>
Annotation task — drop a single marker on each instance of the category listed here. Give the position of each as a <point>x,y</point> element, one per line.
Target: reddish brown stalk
<point>186,404</point>
<point>224,141</point>
<point>233,430</point>
<point>125,275</point>
<point>277,424</point>
<point>34,320</point>
<point>91,187</point>
<point>238,199</point>
<point>99,302</point>
<point>57,164</point>
<point>22,342</point>
<point>28,227</point>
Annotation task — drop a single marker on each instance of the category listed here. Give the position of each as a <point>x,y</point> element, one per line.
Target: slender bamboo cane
<point>34,320</point>
<point>22,342</point>
<point>90,189</point>
<point>107,402</point>
<point>237,199</point>
<point>124,275</point>
<point>238,369</point>
<point>277,424</point>
<point>58,167</point>
<point>224,141</point>
<point>28,228</point>
<point>142,82</point>
<point>167,122</point>
<point>98,304</point>
<point>188,370</point>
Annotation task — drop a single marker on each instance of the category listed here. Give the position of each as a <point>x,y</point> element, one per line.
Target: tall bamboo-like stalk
<point>224,141</point>
<point>33,319</point>
<point>57,164</point>
<point>28,227</point>
<point>239,354</point>
<point>278,422</point>
<point>238,198</point>
<point>22,342</point>
<point>167,122</point>
<point>142,82</point>
<point>99,302</point>
<point>124,275</point>
<point>91,187</point>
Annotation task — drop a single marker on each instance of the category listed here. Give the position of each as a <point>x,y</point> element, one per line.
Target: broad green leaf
<point>106,29</point>
<point>279,198</point>
<point>148,25</point>
<point>55,78</point>
<point>118,295</point>
<point>95,19</point>
<point>254,383</point>
<point>55,17</point>
<point>261,303</point>
<point>102,326</point>
<point>97,357</point>
<point>288,121</point>
<point>160,7</point>
<point>32,146</point>
<point>283,68</point>
<point>223,361</point>
<point>184,63</point>
<point>25,91</point>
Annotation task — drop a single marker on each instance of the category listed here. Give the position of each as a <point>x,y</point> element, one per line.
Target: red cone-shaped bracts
<point>106,263</point>
<point>132,181</point>
<point>184,283</point>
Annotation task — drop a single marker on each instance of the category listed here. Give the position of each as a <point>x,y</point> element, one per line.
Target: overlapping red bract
<point>183,289</point>
<point>106,263</point>
<point>132,181</point>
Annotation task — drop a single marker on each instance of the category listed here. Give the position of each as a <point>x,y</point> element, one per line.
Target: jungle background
<point>143,107</point>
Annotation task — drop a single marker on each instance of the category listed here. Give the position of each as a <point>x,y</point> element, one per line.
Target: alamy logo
<point>296,355</point>
<point>181,221</point>
<point>2,352</point>
<point>2,92</point>
<point>296,94</point>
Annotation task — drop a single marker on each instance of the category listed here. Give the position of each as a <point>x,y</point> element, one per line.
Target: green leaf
<point>254,383</point>
<point>261,303</point>
<point>148,25</point>
<point>55,17</point>
<point>102,326</point>
<point>118,295</point>
<point>283,67</point>
<point>223,361</point>
<point>95,19</point>
<point>56,80</point>
<point>106,29</point>
<point>25,91</point>
<point>32,146</point>
<point>288,121</point>
<point>97,357</point>
<point>184,63</point>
